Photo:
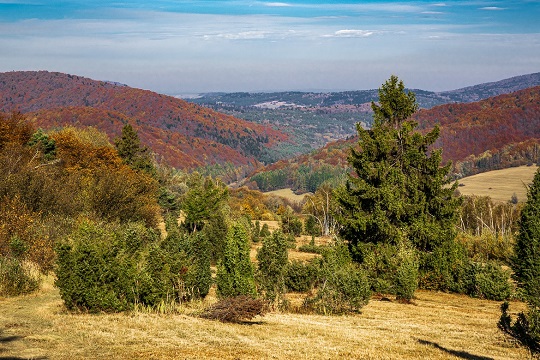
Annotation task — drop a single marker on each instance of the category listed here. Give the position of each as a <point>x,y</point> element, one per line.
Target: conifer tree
<point>526,262</point>
<point>272,260</point>
<point>132,153</point>
<point>526,266</point>
<point>398,190</point>
<point>234,271</point>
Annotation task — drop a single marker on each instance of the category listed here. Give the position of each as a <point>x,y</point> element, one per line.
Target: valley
<point>126,216</point>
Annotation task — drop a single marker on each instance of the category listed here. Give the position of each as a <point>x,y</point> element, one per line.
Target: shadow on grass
<point>459,354</point>
<point>8,339</point>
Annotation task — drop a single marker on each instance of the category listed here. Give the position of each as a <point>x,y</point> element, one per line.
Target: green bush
<point>445,268</point>
<point>380,261</point>
<point>265,231</point>
<point>272,260</point>
<point>291,241</point>
<point>17,278</point>
<point>341,285</point>
<point>290,223</point>
<point>406,280</point>
<point>525,329</point>
<point>300,276</point>
<point>343,290</point>
<point>117,267</point>
<point>235,272</point>
<point>94,271</point>
<point>488,246</point>
<point>313,249</point>
<point>311,227</point>
<point>391,269</point>
<point>449,269</point>
<point>489,281</point>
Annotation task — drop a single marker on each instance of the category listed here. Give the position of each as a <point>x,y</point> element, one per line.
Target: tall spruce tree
<point>526,266</point>
<point>399,188</point>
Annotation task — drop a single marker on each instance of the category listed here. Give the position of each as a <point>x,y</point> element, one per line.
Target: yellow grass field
<point>499,184</point>
<point>436,326</point>
<point>287,194</point>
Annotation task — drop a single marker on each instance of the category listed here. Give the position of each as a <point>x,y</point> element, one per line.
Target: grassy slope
<point>437,326</point>
<point>287,194</point>
<point>499,184</point>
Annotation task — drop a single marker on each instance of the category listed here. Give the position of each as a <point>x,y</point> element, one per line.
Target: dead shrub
<point>236,309</point>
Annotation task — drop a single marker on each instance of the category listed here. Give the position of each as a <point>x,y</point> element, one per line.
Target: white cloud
<point>492,8</point>
<point>244,35</point>
<point>352,33</point>
<point>277,4</point>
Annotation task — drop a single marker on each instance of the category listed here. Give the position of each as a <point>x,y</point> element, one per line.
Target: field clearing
<point>499,184</point>
<point>287,194</point>
<point>436,326</point>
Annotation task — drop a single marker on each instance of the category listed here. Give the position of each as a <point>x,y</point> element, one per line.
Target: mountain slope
<point>471,129</point>
<point>181,133</point>
<point>494,133</point>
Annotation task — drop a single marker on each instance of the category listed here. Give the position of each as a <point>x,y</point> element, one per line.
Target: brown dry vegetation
<point>436,326</point>
<point>499,184</point>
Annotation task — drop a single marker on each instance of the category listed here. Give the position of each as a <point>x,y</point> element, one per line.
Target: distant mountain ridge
<point>425,98</point>
<point>183,134</point>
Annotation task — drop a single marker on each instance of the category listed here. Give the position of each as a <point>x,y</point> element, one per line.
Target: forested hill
<point>183,134</point>
<point>494,133</point>
<point>486,125</point>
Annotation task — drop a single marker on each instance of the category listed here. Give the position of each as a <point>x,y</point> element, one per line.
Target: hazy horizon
<point>191,47</point>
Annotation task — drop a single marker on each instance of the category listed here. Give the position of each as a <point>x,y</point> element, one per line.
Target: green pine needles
<point>398,191</point>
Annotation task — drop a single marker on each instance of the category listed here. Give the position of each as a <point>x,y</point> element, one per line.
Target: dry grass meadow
<point>499,184</point>
<point>287,194</point>
<point>436,326</point>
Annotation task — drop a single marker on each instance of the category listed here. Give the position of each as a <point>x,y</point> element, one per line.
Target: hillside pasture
<point>287,194</point>
<point>500,185</point>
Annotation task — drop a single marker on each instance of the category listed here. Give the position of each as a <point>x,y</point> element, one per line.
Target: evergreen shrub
<point>406,279</point>
<point>235,272</point>
<point>445,268</point>
<point>342,286</point>
<point>489,281</point>
<point>114,268</point>
<point>272,260</point>
<point>300,276</point>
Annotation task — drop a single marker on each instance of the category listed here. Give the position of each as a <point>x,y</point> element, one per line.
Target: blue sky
<point>179,47</point>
